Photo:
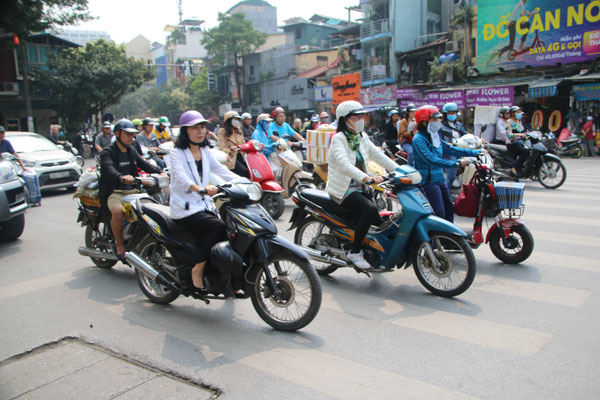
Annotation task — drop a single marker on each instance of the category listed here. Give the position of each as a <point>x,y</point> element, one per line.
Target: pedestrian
<point>247,127</point>
<point>6,146</point>
<point>105,138</point>
<point>589,137</point>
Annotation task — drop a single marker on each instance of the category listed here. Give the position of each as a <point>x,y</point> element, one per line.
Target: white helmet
<point>350,107</point>
<point>246,115</point>
<point>469,141</point>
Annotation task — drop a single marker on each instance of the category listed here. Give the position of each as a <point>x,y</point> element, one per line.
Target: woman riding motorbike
<point>502,127</point>
<point>192,164</point>
<point>391,133</point>
<point>407,131</point>
<point>229,138</point>
<point>349,155</point>
<point>429,150</point>
<point>516,135</point>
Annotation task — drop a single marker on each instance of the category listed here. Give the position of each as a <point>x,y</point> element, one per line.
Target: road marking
<point>33,285</point>
<point>479,331</point>
<point>572,207</point>
<point>591,222</point>
<point>550,259</point>
<point>533,291</point>
<point>559,195</point>
<point>343,379</point>
<point>566,238</point>
<point>391,307</point>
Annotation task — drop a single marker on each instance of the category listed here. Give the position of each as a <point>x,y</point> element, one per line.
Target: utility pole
<point>467,40</point>
<point>26,95</point>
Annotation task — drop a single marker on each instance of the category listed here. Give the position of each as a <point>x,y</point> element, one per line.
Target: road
<point>520,332</point>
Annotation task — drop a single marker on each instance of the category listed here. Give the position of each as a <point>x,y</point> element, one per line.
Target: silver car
<point>54,167</point>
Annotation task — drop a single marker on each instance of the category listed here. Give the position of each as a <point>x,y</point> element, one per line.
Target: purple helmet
<point>191,118</point>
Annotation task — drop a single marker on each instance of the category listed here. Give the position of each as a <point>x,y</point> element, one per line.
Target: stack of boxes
<point>318,144</point>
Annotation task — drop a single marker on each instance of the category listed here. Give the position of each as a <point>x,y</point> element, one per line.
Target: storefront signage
<point>299,95</point>
<point>346,87</point>
<point>377,96</point>
<point>437,99</point>
<point>589,91</point>
<point>555,121</point>
<point>514,34</point>
<point>537,119</point>
<point>498,96</point>
<point>409,93</point>
<point>324,93</point>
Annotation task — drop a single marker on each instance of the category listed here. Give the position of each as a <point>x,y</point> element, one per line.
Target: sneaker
<point>358,260</point>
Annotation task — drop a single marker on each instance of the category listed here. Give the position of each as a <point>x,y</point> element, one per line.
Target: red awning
<point>318,71</point>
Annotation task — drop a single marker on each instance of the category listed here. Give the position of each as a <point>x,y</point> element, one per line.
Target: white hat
<point>590,118</point>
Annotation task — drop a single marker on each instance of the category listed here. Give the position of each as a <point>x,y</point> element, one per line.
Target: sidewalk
<point>73,369</point>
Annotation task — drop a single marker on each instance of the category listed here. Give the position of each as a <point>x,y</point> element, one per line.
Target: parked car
<point>54,167</point>
<point>13,200</point>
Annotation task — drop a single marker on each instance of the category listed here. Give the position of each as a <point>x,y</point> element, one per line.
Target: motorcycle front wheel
<point>552,174</point>
<point>514,249</point>
<point>273,204</point>
<point>298,299</point>
<point>150,251</point>
<point>98,239</point>
<point>456,269</point>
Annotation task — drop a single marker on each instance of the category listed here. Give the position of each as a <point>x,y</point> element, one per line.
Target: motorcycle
<point>275,274</point>
<point>99,240</point>
<point>67,146</point>
<point>541,165</point>
<point>291,171</point>
<point>509,239</point>
<point>398,155</point>
<point>437,249</point>
<point>571,147</point>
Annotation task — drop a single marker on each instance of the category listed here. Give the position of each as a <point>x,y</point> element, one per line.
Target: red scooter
<point>261,172</point>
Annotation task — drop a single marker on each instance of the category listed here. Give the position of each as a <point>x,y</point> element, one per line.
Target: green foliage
<point>458,17</point>
<point>133,105</point>
<point>84,81</point>
<point>171,101</point>
<point>437,72</point>
<point>25,17</point>
<point>200,97</point>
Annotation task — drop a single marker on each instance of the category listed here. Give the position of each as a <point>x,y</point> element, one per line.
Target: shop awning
<point>588,77</point>
<point>544,88</point>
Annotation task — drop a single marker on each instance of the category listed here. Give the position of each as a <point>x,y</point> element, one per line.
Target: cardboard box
<point>320,137</point>
<point>312,153</point>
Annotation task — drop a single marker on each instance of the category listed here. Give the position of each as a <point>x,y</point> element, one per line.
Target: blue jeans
<point>439,199</point>
<point>451,173</point>
<point>407,147</point>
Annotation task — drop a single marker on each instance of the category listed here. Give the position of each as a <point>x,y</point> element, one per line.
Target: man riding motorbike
<point>282,127</point>
<point>516,135</point>
<point>149,140</point>
<point>247,127</point>
<point>429,150</point>
<point>349,155</point>
<point>451,129</point>
<point>161,130</point>
<point>119,162</point>
<point>406,132</point>
<point>501,134</point>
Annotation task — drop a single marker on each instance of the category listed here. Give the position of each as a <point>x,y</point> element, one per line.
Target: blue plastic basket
<point>510,194</point>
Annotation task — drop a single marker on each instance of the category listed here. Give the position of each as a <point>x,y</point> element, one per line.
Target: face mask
<point>325,120</point>
<point>235,123</point>
<point>358,126</point>
<point>452,118</point>
<point>433,128</point>
<point>518,115</point>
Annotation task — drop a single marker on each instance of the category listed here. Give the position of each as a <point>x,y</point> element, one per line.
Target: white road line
<point>343,379</point>
<point>560,219</point>
<point>551,259</point>
<point>23,288</point>
<point>479,331</point>
<point>566,238</point>
<point>529,205</point>
<point>551,196</point>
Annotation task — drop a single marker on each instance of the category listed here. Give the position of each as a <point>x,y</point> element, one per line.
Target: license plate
<point>57,175</point>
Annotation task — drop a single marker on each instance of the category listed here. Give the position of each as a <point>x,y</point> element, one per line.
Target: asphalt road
<point>520,332</point>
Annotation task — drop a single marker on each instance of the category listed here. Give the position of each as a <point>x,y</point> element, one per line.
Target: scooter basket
<point>510,194</point>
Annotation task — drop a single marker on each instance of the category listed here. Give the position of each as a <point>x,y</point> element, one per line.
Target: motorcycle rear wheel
<point>457,270</point>
<point>552,174</point>
<point>578,151</point>
<point>300,298</point>
<point>155,292</point>
<point>91,242</point>
<point>520,236</point>
<point>305,234</point>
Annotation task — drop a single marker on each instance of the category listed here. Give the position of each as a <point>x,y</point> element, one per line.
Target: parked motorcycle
<point>482,197</point>
<point>275,274</point>
<point>437,249</point>
<point>541,165</point>
<point>571,147</point>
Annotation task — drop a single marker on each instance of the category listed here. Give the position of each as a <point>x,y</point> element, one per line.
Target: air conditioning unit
<point>451,46</point>
<point>12,87</point>
<point>472,72</point>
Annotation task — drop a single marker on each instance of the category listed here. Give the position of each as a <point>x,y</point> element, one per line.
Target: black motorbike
<point>540,165</point>
<point>571,147</point>
<point>275,274</point>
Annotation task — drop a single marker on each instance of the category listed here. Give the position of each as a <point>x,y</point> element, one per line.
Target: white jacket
<point>342,161</point>
<point>184,173</point>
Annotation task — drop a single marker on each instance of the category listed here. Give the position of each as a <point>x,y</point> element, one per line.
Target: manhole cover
<point>72,368</point>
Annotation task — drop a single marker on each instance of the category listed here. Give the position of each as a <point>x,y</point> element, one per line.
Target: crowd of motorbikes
<point>281,278</point>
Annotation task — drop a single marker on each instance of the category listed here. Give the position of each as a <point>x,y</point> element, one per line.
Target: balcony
<point>375,75</point>
<point>376,29</point>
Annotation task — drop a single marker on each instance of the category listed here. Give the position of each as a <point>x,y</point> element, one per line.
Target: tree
<point>21,18</point>
<point>133,105</point>
<point>200,97</point>
<point>233,38</point>
<point>171,101</point>
<point>85,81</point>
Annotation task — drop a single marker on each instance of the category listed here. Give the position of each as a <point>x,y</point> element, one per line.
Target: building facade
<point>262,14</point>
<point>81,37</point>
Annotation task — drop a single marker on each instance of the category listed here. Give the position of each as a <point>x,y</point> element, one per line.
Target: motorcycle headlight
<point>256,144</point>
<point>254,191</point>
<point>7,172</point>
<point>31,163</point>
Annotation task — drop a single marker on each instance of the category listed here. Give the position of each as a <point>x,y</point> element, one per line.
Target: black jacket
<point>391,133</point>
<point>110,175</point>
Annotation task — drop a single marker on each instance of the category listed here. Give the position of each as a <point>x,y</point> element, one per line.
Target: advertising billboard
<point>378,96</point>
<point>514,34</point>
<point>346,87</point>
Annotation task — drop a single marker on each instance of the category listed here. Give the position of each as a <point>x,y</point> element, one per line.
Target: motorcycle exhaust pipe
<point>317,256</point>
<point>138,263</point>
<point>87,252</point>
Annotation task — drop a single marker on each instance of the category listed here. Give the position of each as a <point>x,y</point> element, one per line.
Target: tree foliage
<point>84,81</point>
<point>171,101</point>
<point>200,97</point>
<point>233,38</point>
<point>25,17</point>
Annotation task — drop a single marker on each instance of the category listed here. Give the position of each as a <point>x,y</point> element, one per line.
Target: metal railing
<point>372,28</point>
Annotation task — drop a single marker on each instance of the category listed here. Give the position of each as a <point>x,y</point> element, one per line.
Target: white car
<point>54,167</point>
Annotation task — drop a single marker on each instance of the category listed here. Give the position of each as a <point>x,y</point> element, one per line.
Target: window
<point>251,70</point>
<point>322,58</point>
<point>298,33</point>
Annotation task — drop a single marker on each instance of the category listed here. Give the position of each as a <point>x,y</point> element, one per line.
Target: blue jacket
<point>446,130</point>
<point>429,161</point>
<point>260,135</point>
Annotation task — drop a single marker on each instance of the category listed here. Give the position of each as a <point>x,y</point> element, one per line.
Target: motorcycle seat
<point>321,198</point>
<point>162,215</point>
<point>569,141</point>
<point>498,147</point>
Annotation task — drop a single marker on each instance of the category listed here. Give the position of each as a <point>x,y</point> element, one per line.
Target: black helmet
<point>411,107</point>
<point>223,257</point>
<point>146,121</point>
<point>124,125</point>
<point>514,109</point>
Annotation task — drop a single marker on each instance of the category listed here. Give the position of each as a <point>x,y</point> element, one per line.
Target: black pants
<point>512,31</point>
<point>240,167</point>
<point>207,230</point>
<point>368,214</point>
<point>521,152</point>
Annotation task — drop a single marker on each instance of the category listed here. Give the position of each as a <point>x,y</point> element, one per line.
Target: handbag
<point>467,202</point>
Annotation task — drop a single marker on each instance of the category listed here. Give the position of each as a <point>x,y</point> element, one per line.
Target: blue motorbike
<point>437,249</point>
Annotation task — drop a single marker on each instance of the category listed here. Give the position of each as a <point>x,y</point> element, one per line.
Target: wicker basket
<point>510,194</point>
